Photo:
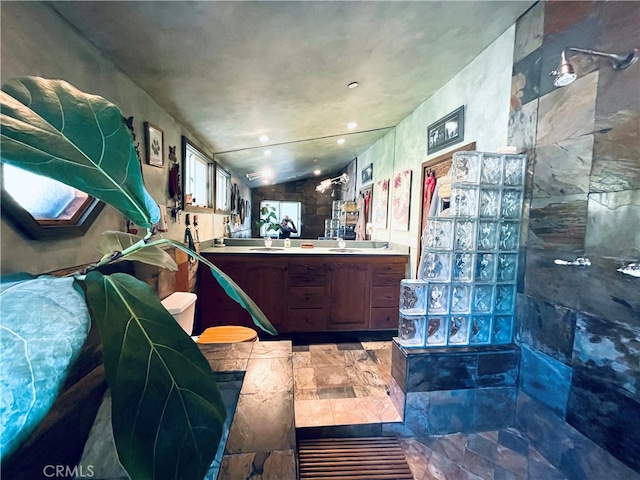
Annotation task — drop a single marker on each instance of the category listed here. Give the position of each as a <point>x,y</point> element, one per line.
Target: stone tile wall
<point>580,327</point>
<point>439,391</point>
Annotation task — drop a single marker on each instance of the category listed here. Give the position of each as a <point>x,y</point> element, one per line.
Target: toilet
<point>182,305</point>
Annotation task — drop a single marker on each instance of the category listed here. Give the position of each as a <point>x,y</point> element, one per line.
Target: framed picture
<point>381,204</point>
<point>446,131</point>
<point>401,200</point>
<point>154,143</point>
<point>367,173</point>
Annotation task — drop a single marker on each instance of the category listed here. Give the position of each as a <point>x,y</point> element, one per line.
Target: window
<point>223,190</point>
<point>198,168</point>
<point>283,209</point>
<point>44,208</point>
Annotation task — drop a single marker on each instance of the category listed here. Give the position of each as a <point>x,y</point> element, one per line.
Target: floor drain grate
<point>352,459</point>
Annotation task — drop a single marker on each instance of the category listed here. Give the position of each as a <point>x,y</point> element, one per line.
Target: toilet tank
<point>182,305</point>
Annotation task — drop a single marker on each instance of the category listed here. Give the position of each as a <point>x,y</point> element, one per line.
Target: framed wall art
<point>154,143</point>
<point>401,200</point>
<point>446,131</point>
<point>381,204</point>
<point>367,173</point>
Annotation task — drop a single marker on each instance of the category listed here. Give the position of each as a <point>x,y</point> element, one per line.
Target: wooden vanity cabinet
<point>305,293</point>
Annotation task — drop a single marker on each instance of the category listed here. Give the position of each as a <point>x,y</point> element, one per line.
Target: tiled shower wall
<point>580,327</point>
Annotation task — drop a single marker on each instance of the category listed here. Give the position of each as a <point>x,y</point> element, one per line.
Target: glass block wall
<point>466,287</point>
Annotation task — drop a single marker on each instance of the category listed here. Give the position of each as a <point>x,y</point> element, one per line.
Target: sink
<point>265,249</point>
<point>344,250</point>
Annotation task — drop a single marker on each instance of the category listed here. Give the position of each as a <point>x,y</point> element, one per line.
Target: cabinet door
<point>350,296</point>
<point>267,284</point>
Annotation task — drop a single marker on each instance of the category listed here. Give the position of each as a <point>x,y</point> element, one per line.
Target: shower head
<point>565,73</point>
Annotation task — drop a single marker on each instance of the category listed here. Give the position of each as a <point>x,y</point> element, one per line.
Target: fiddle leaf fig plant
<point>167,412</point>
<point>269,218</point>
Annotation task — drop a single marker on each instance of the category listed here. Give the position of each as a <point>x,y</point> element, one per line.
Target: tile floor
<point>342,384</point>
<point>346,384</point>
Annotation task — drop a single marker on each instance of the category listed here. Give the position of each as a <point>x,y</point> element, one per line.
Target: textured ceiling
<point>232,71</point>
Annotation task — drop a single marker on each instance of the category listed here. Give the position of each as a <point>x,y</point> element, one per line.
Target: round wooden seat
<point>228,334</point>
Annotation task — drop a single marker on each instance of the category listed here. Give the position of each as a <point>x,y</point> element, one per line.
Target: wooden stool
<point>228,334</point>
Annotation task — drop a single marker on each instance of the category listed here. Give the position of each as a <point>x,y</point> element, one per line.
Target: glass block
<point>482,298</point>
<point>464,201</point>
<point>411,330</point>
<point>460,298</point>
<point>459,330</point>
<point>465,235</point>
<point>438,298</point>
<point>436,330</point>
<point>485,271</point>
<point>507,267</point>
<point>463,267</point>
<point>491,172</point>
<point>439,233</point>
<point>480,330</point>
<point>511,203</point>
<point>413,294</point>
<point>488,235</point>
<point>489,203</point>
<point>505,298</point>
<point>436,267</point>
<point>466,168</point>
<point>502,327</point>
<point>509,236</point>
<point>514,170</point>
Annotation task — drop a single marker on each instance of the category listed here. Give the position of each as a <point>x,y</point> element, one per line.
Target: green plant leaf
<point>229,286</point>
<point>43,326</point>
<point>53,129</point>
<point>114,241</point>
<point>167,412</point>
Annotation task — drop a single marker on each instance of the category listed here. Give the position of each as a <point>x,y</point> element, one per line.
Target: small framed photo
<point>367,173</point>
<point>154,143</point>
<point>446,131</point>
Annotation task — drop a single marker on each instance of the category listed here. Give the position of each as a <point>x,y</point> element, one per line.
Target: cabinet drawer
<point>384,318</point>
<point>385,296</point>
<point>307,320</point>
<point>308,297</point>
<point>389,274</point>
<point>302,275</point>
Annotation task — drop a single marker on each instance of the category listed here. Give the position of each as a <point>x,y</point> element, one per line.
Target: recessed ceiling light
<point>267,152</point>
<point>267,173</point>
<point>340,141</point>
<point>351,125</point>
<point>317,172</point>
<point>263,138</point>
<point>353,85</point>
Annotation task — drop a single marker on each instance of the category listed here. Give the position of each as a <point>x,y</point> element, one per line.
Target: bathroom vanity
<point>317,289</point>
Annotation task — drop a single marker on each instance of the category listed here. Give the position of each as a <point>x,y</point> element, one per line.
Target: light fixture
<point>340,141</point>
<point>266,174</point>
<point>263,138</point>
<point>327,182</point>
<point>267,152</point>
<point>351,125</point>
<point>353,85</point>
<point>317,172</point>
<point>565,74</point>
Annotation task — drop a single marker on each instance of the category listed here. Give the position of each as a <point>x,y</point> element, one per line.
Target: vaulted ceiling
<point>234,71</point>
